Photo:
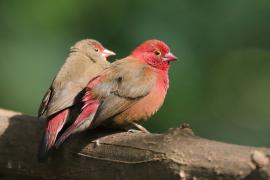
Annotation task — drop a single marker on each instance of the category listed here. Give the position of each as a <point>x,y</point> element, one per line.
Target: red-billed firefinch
<point>86,60</point>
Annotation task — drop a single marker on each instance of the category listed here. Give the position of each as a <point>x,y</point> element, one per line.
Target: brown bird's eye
<point>96,49</point>
<point>157,53</point>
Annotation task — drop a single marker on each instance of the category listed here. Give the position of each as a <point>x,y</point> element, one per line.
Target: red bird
<point>129,91</point>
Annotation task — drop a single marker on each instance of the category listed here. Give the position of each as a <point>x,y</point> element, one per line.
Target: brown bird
<point>128,92</point>
<point>86,60</point>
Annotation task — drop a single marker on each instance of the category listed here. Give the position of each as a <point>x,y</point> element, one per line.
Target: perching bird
<point>129,91</point>
<point>86,60</point>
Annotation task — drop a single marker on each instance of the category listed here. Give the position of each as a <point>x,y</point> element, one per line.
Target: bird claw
<point>140,128</point>
<point>134,131</point>
<point>97,143</point>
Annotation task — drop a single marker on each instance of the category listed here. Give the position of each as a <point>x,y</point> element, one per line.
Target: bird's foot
<point>97,143</point>
<point>138,127</point>
<point>141,128</point>
<point>134,131</point>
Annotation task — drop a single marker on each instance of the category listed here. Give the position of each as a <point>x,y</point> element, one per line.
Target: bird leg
<point>138,127</point>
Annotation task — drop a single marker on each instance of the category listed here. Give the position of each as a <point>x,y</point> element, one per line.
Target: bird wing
<point>71,79</point>
<point>58,98</point>
<point>44,103</point>
<point>128,83</point>
<point>63,97</point>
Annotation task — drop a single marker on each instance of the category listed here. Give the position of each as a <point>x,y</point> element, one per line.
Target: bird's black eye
<point>157,53</point>
<point>96,49</point>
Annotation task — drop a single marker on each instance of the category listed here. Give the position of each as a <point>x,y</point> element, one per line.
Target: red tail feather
<point>54,125</point>
<point>84,120</point>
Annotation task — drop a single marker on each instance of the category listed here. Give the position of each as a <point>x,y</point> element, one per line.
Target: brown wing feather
<point>63,98</point>
<point>44,103</point>
<point>71,79</point>
<point>125,82</point>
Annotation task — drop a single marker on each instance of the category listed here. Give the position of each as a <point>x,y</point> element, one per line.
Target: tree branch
<point>177,154</point>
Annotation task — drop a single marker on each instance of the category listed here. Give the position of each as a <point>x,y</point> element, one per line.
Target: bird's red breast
<point>148,105</point>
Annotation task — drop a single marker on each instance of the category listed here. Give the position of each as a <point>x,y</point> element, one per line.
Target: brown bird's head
<point>155,53</point>
<point>93,49</point>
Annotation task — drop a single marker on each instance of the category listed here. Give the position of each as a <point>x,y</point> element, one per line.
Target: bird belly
<point>143,109</point>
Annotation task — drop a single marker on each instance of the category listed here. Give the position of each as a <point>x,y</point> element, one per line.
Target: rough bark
<point>176,154</point>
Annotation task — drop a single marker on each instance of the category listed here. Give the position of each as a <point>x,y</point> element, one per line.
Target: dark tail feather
<point>44,149</point>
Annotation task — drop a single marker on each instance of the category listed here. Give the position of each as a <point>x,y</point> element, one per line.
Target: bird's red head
<point>155,53</point>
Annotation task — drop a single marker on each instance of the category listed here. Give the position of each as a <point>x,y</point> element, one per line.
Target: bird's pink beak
<point>106,53</point>
<point>169,57</point>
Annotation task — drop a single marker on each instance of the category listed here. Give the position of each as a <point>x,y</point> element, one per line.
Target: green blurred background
<point>220,85</point>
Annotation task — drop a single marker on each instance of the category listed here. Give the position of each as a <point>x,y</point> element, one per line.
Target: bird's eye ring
<point>157,53</point>
<point>96,49</point>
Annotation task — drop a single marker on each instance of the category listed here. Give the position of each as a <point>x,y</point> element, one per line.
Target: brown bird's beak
<point>106,53</point>
<point>169,57</point>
